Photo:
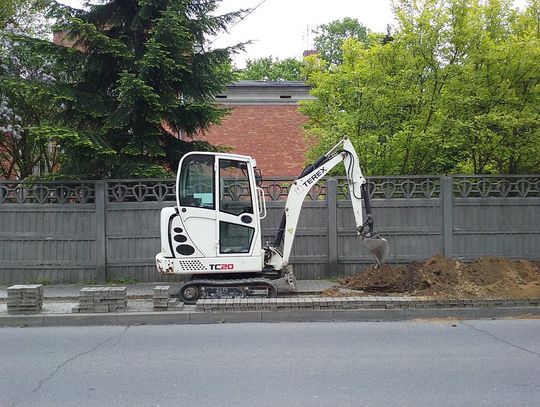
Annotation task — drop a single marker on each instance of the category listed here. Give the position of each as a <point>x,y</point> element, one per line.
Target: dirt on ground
<point>486,277</point>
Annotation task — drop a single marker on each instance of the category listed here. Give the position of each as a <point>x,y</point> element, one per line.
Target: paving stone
<point>102,299</point>
<point>162,300</point>
<point>24,299</point>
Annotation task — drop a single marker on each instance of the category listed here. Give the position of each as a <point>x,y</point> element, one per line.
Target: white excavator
<point>213,234</point>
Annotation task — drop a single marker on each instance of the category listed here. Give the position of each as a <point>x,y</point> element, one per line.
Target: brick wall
<point>272,134</point>
<point>60,38</point>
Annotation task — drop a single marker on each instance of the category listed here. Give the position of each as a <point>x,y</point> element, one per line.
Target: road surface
<point>474,363</point>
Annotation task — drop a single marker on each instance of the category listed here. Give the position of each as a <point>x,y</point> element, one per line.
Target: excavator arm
<point>341,152</point>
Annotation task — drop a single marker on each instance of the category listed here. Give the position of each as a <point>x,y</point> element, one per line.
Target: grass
<point>123,280</point>
<point>44,281</point>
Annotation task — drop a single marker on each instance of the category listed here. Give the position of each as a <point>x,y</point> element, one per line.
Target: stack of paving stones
<point>162,299</point>
<point>102,299</point>
<point>322,303</point>
<point>25,299</point>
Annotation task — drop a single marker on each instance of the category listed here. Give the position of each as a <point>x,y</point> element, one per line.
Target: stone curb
<point>354,303</point>
<point>195,317</point>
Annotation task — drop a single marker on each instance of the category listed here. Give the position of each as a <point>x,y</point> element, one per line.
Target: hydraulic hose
<point>309,168</point>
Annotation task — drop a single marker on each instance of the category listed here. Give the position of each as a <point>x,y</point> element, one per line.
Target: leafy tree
<point>288,69</point>
<point>493,107</point>
<point>329,38</point>
<point>26,89</point>
<point>456,90</point>
<point>11,11</point>
<point>25,16</point>
<point>26,79</point>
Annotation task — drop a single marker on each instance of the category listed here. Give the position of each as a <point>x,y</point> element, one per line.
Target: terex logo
<point>221,266</point>
<point>314,177</point>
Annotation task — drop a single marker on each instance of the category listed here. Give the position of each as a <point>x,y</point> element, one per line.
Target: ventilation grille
<point>192,265</point>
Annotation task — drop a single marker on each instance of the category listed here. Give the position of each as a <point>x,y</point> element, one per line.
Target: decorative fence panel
<point>496,216</point>
<point>47,232</point>
<point>67,232</point>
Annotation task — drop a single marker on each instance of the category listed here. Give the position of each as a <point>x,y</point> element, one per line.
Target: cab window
<point>197,181</point>
<point>235,190</point>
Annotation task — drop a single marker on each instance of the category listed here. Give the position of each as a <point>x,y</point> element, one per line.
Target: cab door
<point>196,206</point>
<point>238,218</point>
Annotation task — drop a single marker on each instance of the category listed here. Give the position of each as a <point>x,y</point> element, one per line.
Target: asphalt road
<point>475,363</point>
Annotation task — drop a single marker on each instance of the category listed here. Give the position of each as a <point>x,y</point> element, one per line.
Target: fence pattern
<point>67,232</point>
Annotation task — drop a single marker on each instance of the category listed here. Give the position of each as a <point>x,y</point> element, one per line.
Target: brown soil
<point>487,277</point>
<point>334,292</point>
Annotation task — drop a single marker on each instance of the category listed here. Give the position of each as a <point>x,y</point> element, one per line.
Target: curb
<point>196,317</point>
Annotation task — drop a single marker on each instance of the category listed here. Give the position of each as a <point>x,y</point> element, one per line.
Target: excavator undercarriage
<point>217,287</point>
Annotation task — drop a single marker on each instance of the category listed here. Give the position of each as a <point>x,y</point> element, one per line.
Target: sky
<point>282,28</point>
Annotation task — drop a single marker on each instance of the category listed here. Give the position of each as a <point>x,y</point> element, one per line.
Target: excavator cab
<point>215,226</point>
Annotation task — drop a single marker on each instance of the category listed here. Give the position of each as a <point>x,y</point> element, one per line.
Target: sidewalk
<point>307,307</point>
<point>144,290</point>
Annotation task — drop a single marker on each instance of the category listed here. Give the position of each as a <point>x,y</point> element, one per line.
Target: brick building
<point>264,123</point>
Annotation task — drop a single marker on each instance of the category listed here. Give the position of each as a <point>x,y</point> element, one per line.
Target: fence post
<point>331,202</point>
<point>101,238</point>
<point>447,214</point>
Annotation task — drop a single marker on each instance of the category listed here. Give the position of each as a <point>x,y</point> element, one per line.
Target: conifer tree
<point>135,81</point>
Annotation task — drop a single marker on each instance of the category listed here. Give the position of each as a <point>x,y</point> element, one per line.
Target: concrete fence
<point>67,232</point>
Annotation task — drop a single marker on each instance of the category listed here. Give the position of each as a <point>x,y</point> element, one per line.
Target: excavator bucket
<point>378,246</point>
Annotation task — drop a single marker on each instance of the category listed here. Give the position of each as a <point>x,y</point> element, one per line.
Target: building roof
<point>265,92</point>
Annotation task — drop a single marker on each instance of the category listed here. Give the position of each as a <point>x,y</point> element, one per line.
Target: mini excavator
<point>213,234</point>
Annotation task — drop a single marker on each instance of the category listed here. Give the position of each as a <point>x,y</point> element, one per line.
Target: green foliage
<point>26,90</point>
<point>123,281</point>
<point>268,68</point>
<point>329,38</point>
<point>456,90</point>
<point>25,16</point>
<point>136,78</point>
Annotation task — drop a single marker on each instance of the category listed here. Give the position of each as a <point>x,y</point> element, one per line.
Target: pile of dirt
<point>487,277</point>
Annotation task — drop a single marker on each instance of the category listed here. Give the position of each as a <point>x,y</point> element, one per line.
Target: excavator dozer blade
<point>378,247</point>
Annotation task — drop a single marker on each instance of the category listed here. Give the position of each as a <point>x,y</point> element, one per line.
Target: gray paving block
<point>346,303</point>
<point>23,311</point>
<point>297,316</point>
<point>199,306</point>
<point>368,315</point>
<point>224,317</point>
<point>161,296</point>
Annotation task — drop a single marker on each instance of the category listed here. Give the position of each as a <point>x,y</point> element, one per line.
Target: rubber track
<point>231,283</point>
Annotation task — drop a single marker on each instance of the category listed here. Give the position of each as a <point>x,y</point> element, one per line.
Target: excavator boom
<point>341,152</point>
